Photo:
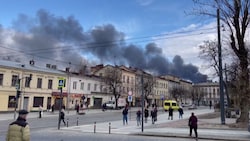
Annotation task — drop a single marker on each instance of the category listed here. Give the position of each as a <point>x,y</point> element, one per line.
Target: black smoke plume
<point>57,38</point>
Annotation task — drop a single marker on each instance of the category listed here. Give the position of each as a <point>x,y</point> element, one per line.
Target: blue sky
<point>134,18</point>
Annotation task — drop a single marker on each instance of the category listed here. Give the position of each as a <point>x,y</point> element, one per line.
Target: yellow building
<point>160,90</point>
<point>128,83</point>
<point>37,86</point>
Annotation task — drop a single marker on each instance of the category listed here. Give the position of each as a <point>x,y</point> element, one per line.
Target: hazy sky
<point>139,32</point>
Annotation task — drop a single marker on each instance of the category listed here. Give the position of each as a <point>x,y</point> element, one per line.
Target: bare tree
<point>209,52</point>
<point>197,95</point>
<point>235,15</point>
<point>148,86</point>
<point>177,93</point>
<point>113,80</point>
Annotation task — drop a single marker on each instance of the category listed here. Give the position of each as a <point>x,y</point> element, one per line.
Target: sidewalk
<point>169,128</point>
<point>10,116</point>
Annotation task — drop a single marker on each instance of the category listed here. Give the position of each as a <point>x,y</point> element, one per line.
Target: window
<point>12,102</point>
<point>128,79</point>
<point>95,87</point>
<point>74,85</point>
<point>27,81</point>
<point>39,82</point>
<point>50,84</point>
<point>88,86</point>
<point>101,87</point>
<point>1,79</point>
<point>82,86</point>
<point>123,79</point>
<point>37,101</point>
<point>14,80</point>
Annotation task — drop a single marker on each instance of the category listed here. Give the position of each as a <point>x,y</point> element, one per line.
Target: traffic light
<point>18,93</point>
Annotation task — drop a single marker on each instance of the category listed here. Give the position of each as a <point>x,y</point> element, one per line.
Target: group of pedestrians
<point>192,122</point>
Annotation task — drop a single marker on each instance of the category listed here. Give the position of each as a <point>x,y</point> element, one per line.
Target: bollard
<point>77,121</point>
<point>67,122</point>
<point>109,128</point>
<point>94,127</point>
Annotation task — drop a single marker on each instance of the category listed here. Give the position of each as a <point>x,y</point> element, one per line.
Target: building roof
<point>29,67</point>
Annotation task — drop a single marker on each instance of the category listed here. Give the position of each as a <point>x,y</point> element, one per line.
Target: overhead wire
<point>108,44</point>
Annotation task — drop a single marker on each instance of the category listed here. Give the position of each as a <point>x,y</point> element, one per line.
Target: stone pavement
<point>209,128</point>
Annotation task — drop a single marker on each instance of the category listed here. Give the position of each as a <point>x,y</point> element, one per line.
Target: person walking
<point>104,107</point>
<point>146,115</point>
<point>52,108</point>
<point>155,111</point>
<point>40,111</point>
<point>153,115</point>
<point>170,113</point>
<point>125,115</point>
<point>19,130</point>
<point>210,104</point>
<point>180,110</point>
<point>192,122</point>
<point>138,117</point>
<point>62,116</point>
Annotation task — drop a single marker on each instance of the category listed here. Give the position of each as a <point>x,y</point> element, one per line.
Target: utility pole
<point>222,110</point>
<point>142,103</point>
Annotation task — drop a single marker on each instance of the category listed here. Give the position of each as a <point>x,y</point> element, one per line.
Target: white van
<point>111,104</point>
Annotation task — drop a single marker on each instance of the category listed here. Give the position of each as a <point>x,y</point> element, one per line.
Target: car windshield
<point>167,104</point>
<point>110,102</point>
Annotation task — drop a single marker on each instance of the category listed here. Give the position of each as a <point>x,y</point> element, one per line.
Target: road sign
<point>130,98</point>
<point>162,97</point>
<point>61,83</point>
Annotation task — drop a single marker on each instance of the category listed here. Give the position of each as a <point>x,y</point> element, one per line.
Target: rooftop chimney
<point>32,62</point>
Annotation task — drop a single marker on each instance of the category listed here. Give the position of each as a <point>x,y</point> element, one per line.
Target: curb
<point>153,134</point>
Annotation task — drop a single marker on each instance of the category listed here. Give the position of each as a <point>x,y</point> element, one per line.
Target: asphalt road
<point>52,121</point>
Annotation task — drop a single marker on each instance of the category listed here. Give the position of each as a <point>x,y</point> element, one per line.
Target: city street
<point>62,135</point>
<point>46,127</point>
<point>50,120</point>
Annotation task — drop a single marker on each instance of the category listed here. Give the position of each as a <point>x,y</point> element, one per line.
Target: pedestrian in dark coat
<point>146,114</point>
<point>170,113</point>
<point>138,117</point>
<point>180,110</point>
<point>63,116</point>
<point>153,116</point>
<point>52,108</point>
<point>155,111</point>
<point>125,115</point>
<point>192,122</point>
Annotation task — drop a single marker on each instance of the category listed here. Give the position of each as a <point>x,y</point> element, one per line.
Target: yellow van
<point>172,103</point>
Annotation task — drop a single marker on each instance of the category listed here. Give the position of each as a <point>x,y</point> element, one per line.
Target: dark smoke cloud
<point>64,39</point>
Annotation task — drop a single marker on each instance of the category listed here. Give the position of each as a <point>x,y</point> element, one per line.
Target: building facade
<point>35,85</point>
<point>208,91</point>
